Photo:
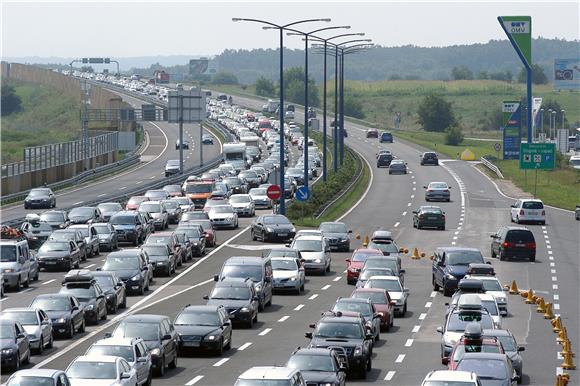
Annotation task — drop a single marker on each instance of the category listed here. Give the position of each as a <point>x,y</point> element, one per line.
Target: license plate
<point>50,262</point>
<point>431,218</point>
<point>520,245</point>
<point>36,232</point>
<point>282,234</point>
<point>191,344</point>
<point>532,213</point>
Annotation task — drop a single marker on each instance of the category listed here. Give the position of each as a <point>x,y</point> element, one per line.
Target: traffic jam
<point>109,257</point>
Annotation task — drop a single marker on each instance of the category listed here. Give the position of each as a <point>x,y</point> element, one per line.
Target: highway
<point>406,353</point>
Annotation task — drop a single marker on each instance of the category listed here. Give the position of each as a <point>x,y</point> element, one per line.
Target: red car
<point>135,201</point>
<point>208,232</point>
<point>356,262</point>
<point>372,133</point>
<point>471,344</point>
<point>382,302</point>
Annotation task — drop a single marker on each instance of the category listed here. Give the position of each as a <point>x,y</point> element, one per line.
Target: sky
<point>149,28</point>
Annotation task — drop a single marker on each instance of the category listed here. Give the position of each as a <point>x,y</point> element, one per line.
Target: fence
<point>491,166</point>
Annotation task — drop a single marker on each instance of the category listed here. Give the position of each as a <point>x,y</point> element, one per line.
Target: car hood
<point>124,227</point>
<point>197,330</point>
<point>396,295</point>
<point>7,343</point>
<point>229,303</point>
<point>240,205</point>
<point>79,219</point>
<point>284,274</point>
<point>260,197</point>
<point>457,270</point>
<point>320,377</point>
<point>156,215</point>
<point>220,215</point>
<point>356,264</point>
<point>54,254</point>
<point>336,235</point>
<point>151,344</point>
<point>55,315</point>
<point>32,330</point>
<point>495,382</point>
<point>280,227</point>
<point>125,274</point>
<point>381,308</point>
<point>312,255</point>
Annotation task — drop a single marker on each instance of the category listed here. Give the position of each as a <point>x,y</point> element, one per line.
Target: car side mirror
<point>308,335</point>
<point>75,308</point>
<point>312,325</point>
<point>145,268</point>
<point>166,337</point>
<point>216,277</point>
<point>287,245</point>
<point>493,236</point>
<point>347,260</point>
<point>424,187</point>
<point>440,330</point>
<point>125,375</point>
<point>402,271</point>
<point>369,335</point>
<point>350,231</point>
<point>515,378</point>
<point>20,336</point>
<point>406,290</point>
<point>206,297</point>
<point>512,206</point>
<point>414,212</point>
<point>108,335</point>
<point>520,349</point>
<point>142,360</point>
<point>445,360</point>
<point>376,315</point>
<point>488,262</point>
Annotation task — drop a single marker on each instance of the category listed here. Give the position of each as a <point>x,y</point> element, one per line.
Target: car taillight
<point>429,190</point>
<point>543,213</point>
<point>443,217</point>
<point>531,245</point>
<point>506,244</point>
<point>420,216</point>
<point>522,212</point>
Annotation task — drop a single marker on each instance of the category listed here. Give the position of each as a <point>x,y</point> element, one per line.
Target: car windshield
<point>258,192</point>
<point>333,228</point>
<point>146,331</point>
<point>27,380</point>
<point>82,292</point>
<point>254,272</point>
<point>109,207</point>
<point>38,193</point>
<point>360,257</point>
<point>83,230</point>
<point>463,348</point>
<point>367,273</point>
<point>172,188</point>
<point>248,174</point>
<point>7,253</point>
<point>492,285</point>
<point>312,363</point>
<point>81,212</point>
<point>198,318</point>
<point>307,245</point>
<point>458,321</point>
<point>63,236</point>
<point>384,246</point>
<point>150,207</point>
<point>232,293</point>
<point>283,253</point>
<point>170,204</point>
<point>362,308</point>
<point>7,331</point>
<point>233,181</point>
<point>123,220</point>
<point>188,216</point>
<point>437,185</point>
<point>105,282</point>
<point>532,205</point>
<point>276,220</point>
<point>464,257</point>
<point>516,235</point>
<point>181,200</point>
<point>102,229</point>
<point>52,304</point>
<point>389,285</point>
<point>222,209</point>
<point>339,331</point>
<point>485,369</point>
<point>26,318</point>
<point>199,188</point>
<point>125,352</point>
<point>508,343</point>
<point>54,247</point>
<point>115,263</point>
<point>239,199</point>
<point>52,217</point>
<point>284,265</point>
<point>490,306</point>
<point>158,239</point>
<point>192,233</point>
<point>375,297</point>
<point>92,370</point>
<point>155,250</point>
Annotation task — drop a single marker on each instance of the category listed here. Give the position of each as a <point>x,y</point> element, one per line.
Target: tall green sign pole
<point>519,31</point>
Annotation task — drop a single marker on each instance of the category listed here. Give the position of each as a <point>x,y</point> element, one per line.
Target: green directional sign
<point>519,31</point>
<point>539,156</point>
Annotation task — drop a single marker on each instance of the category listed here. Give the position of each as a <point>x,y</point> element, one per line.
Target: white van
<point>15,263</point>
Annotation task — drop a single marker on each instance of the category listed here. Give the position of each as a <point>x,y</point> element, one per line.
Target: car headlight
<point>211,337</point>
<point>400,302</point>
<point>258,287</point>
<point>231,218</point>
<point>450,276</point>
<point>89,307</point>
<point>8,270</point>
<point>317,260</point>
<point>270,230</point>
<point>358,350</point>
<point>7,351</point>
<point>244,309</point>
<point>501,300</point>
<point>136,277</point>
<point>293,278</point>
<point>195,244</point>
<point>381,314</point>
<point>61,320</point>
<point>155,351</point>
<point>109,296</point>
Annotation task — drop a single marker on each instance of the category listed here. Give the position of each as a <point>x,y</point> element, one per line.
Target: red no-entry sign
<point>274,192</point>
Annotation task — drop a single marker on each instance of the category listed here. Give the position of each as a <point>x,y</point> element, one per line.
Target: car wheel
<point>493,255</point>
<point>446,291</point>
<point>369,364</point>
<point>533,258</point>
<point>442,228</point>
<point>435,285</point>
<point>149,379</point>
<point>142,290</point>
<point>517,219</point>
<point>136,242</point>
<point>26,284</point>
<point>98,251</point>
<point>263,236</point>
<point>40,346</point>
<point>229,345</point>
<point>168,273</point>
<point>104,316</point>
<point>251,323</point>
<point>36,275</point>
<point>71,330</point>
<point>77,265</point>
<point>418,226</point>
<point>404,310</point>
<point>173,363</point>
<point>220,350</point>
<point>161,369</point>
<point>17,364</point>
<point>17,286</point>
<point>501,256</point>
<point>124,304</point>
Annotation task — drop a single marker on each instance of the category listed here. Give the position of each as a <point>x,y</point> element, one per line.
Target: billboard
<point>202,66</point>
<point>512,129</point>
<point>519,31</point>
<point>567,74</point>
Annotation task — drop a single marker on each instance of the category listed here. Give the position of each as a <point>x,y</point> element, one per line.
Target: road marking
<point>433,294</point>
<point>556,306</point>
<point>422,316</point>
<point>102,195</point>
<point>552,271</point>
<point>416,328</point>
<point>313,297</point>
<point>428,305</point>
<point>194,380</point>
<point>554,278</point>
<point>48,282</point>
<point>326,287</point>
<point>549,246</point>
<point>409,204</point>
<point>556,297</point>
<point>90,265</point>
<point>370,184</point>
<point>551,257</point>
<point>400,358</point>
<point>244,346</point>
<point>409,343</point>
<point>336,278</point>
<point>283,318</point>
<point>555,286</point>
<point>138,182</point>
<point>414,188</point>
<point>414,182</point>
<point>552,264</point>
<point>122,188</point>
<point>547,241</point>
<point>454,237</point>
<point>78,203</point>
<point>265,332</point>
<point>457,232</point>
<point>221,362</point>
<point>404,213</point>
<point>390,375</point>
<point>4,298</point>
<point>550,252</point>
<point>344,271</point>
<point>397,224</point>
<point>299,307</point>
<point>453,243</point>
<point>152,177</point>
<point>412,196</point>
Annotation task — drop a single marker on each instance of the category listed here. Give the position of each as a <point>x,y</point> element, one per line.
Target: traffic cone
<point>565,378</point>
<point>357,236</point>
<point>562,335</point>
<point>568,364</point>
<point>567,348</point>
<point>529,299</point>
<point>558,380</point>
<point>415,255</point>
<point>513,289</point>
<point>557,325</point>
<point>541,305</point>
<point>366,241</point>
<point>549,314</point>
<point>524,294</point>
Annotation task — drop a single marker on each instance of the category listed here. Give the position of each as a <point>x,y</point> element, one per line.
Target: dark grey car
<point>398,167</point>
<point>40,198</point>
<point>55,254</point>
<point>107,236</point>
<point>337,235</point>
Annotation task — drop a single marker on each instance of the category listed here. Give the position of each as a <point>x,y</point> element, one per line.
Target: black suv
<point>129,226</point>
<point>513,242</point>
<point>131,265</point>
<point>81,284</point>
<point>114,289</point>
<point>429,158</point>
<point>349,333</point>
<point>319,366</point>
<point>204,328</point>
<point>238,297</point>
<point>450,264</point>
<point>384,160</point>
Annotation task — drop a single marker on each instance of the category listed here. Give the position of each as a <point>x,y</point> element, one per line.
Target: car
<point>236,185</point>
<point>398,167</point>
<point>437,191</point>
<point>36,324</point>
<point>337,235</point>
<point>386,136</point>
<point>238,296</point>
<point>44,377</point>
<point>528,210</point>
<point>81,284</point>
<point>204,328</point>
<point>133,350</point>
<point>384,159</point>
<point>108,209</point>
<point>129,226</point>
<point>367,273</point>
<point>385,262</point>
<point>355,263</point>
<point>395,289</point>
<point>193,216</point>
<point>85,215</point>
<point>161,257</point>
<point>172,167</point>
<point>270,375</point>
<point>447,377</point>
<point>208,231</point>
<point>272,228</point>
<point>429,158</point>
<point>65,311</point>
<point>288,274</point>
<point>223,216</point>
<point>14,344</point>
<point>510,347</point>
<point>184,145</point>
<point>214,201</point>
<point>170,239</point>
<point>16,262</point>
<point>347,332</point>
<point>296,175</point>
<point>187,245</point>
<point>472,341</point>
<point>319,366</point>
<point>159,335</point>
<point>157,194</point>
<point>173,190</point>
<point>159,213</point>
<point>251,178</point>
<point>429,217</point>
<point>387,247</point>
<point>101,368</point>
<point>89,232</point>
<point>207,139</point>
<point>134,202</point>
<point>365,308</point>
<point>59,254</point>
<point>57,219</point>
<point>173,210</point>
<point>131,265</point>
<point>382,302</point>
<point>450,265</point>
<point>40,198</point>
<point>260,198</point>
<point>492,286</point>
<point>513,242</point>
<point>36,232</point>
<point>243,204</point>
<point>195,236</point>
<point>315,252</point>
<point>283,252</point>
<point>184,203</point>
<point>372,133</point>
<point>113,288</point>
<point>492,369</point>
<point>107,236</point>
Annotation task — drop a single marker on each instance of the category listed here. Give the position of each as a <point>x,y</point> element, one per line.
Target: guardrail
<point>491,166</point>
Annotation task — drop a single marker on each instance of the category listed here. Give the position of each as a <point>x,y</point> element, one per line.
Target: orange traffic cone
<point>562,336</point>
<point>366,241</point>
<point>568,364</point>
<point>357,236</point>
<point>513,289</point>
<point>524,294</point>
<point>565,378</point>
<point>549,314</point>
<point>567,348</point>
<point>541,305</point>
<point>557,325</point>
<point>529,299</point>
<point>415,255</point>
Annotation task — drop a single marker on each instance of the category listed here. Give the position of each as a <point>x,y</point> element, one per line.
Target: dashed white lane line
<point>556,306</point>
<point>396,224</point>
<point>138,182</point>
<point>422,316</point>
<point>90,265</point>
<point>554,278</point>
<point>433,294</point>
<point>556,297</point>
<point>344,271</point>
<point>78,203</point>
<point>404,213</point>
<point>194,380</point>
<point>552,264</point>
<point>409,343</point>
<point>265,332</point>
<point>122,188</point>
<point>412,196</point>
<point>555,286</point>
<point>550,252</point>
<point>414,188</point>
<point>152,177</point>
<point>298,307</point>
<point>456,232</point>
<point>326,287</point>
<point>416,328</point>
<point>48,282</point>
<point>102,195</point>
<point>336,278</point>
<point>390,375</point>
<point>414,182</point>
<point>400,358</point>
<point>244,346</point>
<point>551,257</point>
<point>221,362</point>
<point>283,318</point>
<point>409,204</point>
<point>552,271</point>
<point>313,297</point>
<point>428,305</point>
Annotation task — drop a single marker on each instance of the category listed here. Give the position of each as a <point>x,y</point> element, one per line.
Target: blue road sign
<point>303,193</point>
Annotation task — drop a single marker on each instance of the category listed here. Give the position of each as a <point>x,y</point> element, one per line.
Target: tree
<point>505,76</point>
<point>11,102</point>
<point>353,107</point>
<point>87,69</point>
<point>461,73</point>
<point>453,135</point>
<point>482,75</point>
<point>224,77</point>
<point>265,87</point>
<point>294,87</point>
<point>492,120</point>
<point>435,113</point>
<point>538,75</point>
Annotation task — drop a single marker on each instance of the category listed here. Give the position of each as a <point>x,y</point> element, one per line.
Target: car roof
<point>233,282</point>
<point>310,237</point>
<point>363,289</point>
<point>207,307</point>
<point>268,372</point>
<point>313,351</point>
<point>38,372</point>
<point>145,318</point>
<point>531,199</point>
<point>391,278</point>
<point>353,300</point>
<point>250,260</point>
<point>448,375</point>
<point>484,355</point>
<point>368,251</point>
<point>340,319</point>
<point>96,358</point>
<point>517,228</point>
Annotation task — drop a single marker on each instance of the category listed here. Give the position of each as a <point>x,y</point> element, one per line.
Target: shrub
<point>453,135</point>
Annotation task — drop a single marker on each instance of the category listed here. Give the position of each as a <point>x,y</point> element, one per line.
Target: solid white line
<point>221,362</point>
<point>556,297</point>
<point>422,316</point>
<point>122,188</point>
<point>26,290</point>
<point>137,183</point>
<point>416,328</point>
<point>326,287</point>
<point>397,224</point>
<point>366,191</point>
<point>194,380</point>
<point>409,343</point>
<point>283,318</point>
<point>313,297</point>
<point>244,346</point>
<point>102,195</point>
<point>428,305</point>
<point>152,177</point>
<point>400,358</point>
<point>48,282</point>
<point>336,278</point>
<point>266,331</point>
<point>433,294</point>
<point>390,375</point>
<point>90,265</point>
<point>78,203</point>
<point>298,307</point>
<point>404,213</point>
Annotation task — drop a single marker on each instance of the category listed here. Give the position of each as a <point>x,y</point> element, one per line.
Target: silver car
<point>15,263</point>
<point>315,251</point>
<point>45,377</point>
<point>260,198</point>
<point>36,323</point>
<point>288,274</point>
<point>89,232</point>
<point>157,210</point>
<point>223,216</point>
<point>437,191</point>
<point>243,204</point>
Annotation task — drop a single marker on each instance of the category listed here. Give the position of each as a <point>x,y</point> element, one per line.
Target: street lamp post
<point>553,132</point>
<point>280,28</point>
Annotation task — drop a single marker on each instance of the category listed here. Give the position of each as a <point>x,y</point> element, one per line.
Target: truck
<point>199,191</point>
<point>235,155</point>
<point>271,106</point>
<point>250,140</point>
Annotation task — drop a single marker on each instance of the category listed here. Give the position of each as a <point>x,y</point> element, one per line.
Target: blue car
<point>450,265</point>
<point>386,137</point>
